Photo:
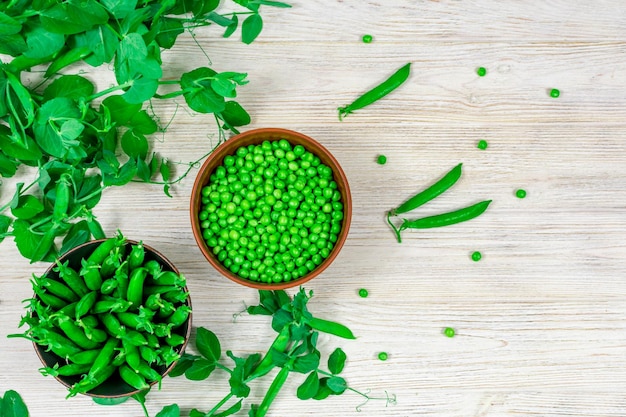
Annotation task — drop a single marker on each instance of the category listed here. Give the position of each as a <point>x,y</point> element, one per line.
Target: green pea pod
<point>132,354</point>
<point>175,340</point>
<point>148,354</point>
<point>137,255</point>
<point>378,92</point>
<point>50,300</point>
<point>112,325</point>
<point>135,338</point>
<point>119,359</point>
<point>430,193</point>
<point>170,278</point>
<point>71,369</point>
<point>84,305</point>
<point>71,278</point>
<point>132,378</point>
<point>154,302</point>
<point>75,333</point>
<point>280,344</point>
<point>273,390</point>
<point>153,341</point>
<point>85,357</point>
<point>135,286</point>
<point>110,264</point>
<point>58,289</point>
<point>330,327</point>
<point>166,310</point>
<point>68,310</point>
<point>102,251</point>
<point>111,306</point>
<point>90,272</point>
<point>179,316</point>
<point>168,355</point>
<point>62,198</point>
<point>447,219</point>
<point>88,321</point>
<point>104,358</point>
<point>163,329</point>
<point>57,343</point>
<point>147,372</point>
<point>154,268</point>
<point>96,335</point>
<point>92,380</point>
<point>108,286</point>
<point>160,289</point>
<point>175,296</point>
<point>122,278</point>
<point>134,321</point>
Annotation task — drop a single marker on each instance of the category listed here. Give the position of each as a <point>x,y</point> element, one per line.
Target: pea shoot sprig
<point>70,133</point>
<point>12,405</point>
<point>294,351</point>
<point>439,220</point>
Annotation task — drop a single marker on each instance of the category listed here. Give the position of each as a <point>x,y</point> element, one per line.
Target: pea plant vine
<point>81,141</point>
<point>294,351</point>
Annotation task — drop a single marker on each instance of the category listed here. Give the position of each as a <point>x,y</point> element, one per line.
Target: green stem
<point>397,232</point>
<point>143,407</point>
<point>219,405</point>
<point>108,91</point>
<point>169,95</point>
<point>223,368</point>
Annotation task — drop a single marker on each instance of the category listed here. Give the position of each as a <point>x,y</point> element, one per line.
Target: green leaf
<point>258,310</point>
<point>307,363</point>
<point>8,25</point>
<point>142,89</point>
<point>169,29</point>
<point>309,387</point>
<point>337,384</point>
<point>278,358</point>
<point>202,7</point>
<point>110,400</point>
<point>230,410</point>
<point>123,176</point>
<point>184,363</point>
<point>281,318</point>
<point>231,28</point>
<point>71,129</point>
<point>73,16</point>
<point>27,207</point>
<point>198,93</point>
<point>208,344</point>
<point>169,411</point>
<point>121,111</point>
<point>101,41</point>
<point>200,369</point>
<point>224,87</point>
<point>27,150</point>
<point>47,134</point>
<point>12,405</point>
<point>42,43</point>
<point>251,27</point>
<point>12,45</point>
<point>25,240</point>
<point>165,170</point>
<point>336,361</point>
<point>24,97</point>
<point>78,234</point>
<point>119,8</point>
<point>90,191</point>
<point>5,223</point>
<point>70,86</point>
<point>143,170</point>
<point>323,391</point>
<point>134,144</point>
<point>219,19</point>
<point>235,115</point>
<point>142,122</point>
<point>251,362</point>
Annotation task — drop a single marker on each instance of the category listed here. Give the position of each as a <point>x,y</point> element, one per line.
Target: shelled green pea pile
<point>113,314</point>
<point>271,212</point>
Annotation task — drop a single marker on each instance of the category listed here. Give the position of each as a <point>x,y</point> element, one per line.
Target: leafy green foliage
<point>294,350</point>
<point>12,405</point>
<point>53,124</point>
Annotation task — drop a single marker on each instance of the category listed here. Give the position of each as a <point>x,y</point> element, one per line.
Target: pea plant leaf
<point>236,381</point>
<point>8,25</point>
<point>270,3</point>
<point>198,93</point>
<point>337,384</point>
<point>41,43</point>
<point>66,59</point>
<point>169,411</point>
<point>73,16</point>
<point>200,369</point>
<point>102,43</point>
<point>169,30</point>
<point>230,410</point>
<point>119,8</point>
<point>5,223</point>
<point>134,144</point>
<point>208,344</point>
<point>70,86</point>
<point>12,405</point>
<point>307,363</point>
<point>251,28</point>
<point>309,387</point>
<point>120,110</point>
<point>336,361</point>
<point>48,133</point>
<point>78,234</point>
<point>25,240</point>
<point>23,149</point>
<point>234,115</point>
<point>28,206</point>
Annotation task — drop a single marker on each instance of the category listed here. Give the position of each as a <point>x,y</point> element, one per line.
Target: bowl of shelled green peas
<point>271,208</point>
<point>109,318</point>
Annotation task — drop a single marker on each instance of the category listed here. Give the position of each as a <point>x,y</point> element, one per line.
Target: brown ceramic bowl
<point>114,387</point>
<point>254,137</point>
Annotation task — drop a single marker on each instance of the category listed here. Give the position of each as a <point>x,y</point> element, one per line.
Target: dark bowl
<point>114,387</point>
<point>254,137</point>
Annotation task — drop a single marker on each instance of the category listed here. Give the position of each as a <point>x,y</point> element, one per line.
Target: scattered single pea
<point>382,159</point>
<point>449,332</point>
<point>554,93</point>
<point>482,144</point>
<point>481,71</point>
<point>383,356</point>
<point>363,293</point>
<point>367,38</point>
<point>520,193</point>
<point>476,256</point>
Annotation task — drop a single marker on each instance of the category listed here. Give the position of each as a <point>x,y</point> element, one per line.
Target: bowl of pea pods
<point>271,208</point>
<point>109,318</point>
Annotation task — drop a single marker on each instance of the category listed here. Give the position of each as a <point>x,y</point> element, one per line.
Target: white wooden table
<point>540,320</point>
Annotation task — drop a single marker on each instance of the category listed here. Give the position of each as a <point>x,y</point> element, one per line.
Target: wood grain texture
<point>540,320</point>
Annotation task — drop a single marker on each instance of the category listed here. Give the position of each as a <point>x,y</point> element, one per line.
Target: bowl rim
<point>257,136</point>
<point>187,327</point>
